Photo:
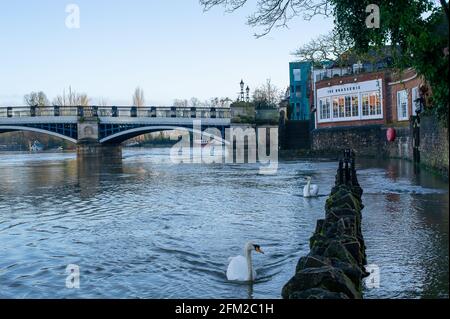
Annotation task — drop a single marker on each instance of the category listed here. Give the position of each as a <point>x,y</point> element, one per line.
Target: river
<point>146,228</point>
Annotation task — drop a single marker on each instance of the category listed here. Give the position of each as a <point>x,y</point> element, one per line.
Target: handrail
<point>115,111</point>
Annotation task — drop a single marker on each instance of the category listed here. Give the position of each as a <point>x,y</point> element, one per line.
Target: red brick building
<point>373,98</point>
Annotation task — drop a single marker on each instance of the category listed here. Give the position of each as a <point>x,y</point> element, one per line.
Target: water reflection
<point>91,170</point>
<point>141,227</point>
<point>407,231</point>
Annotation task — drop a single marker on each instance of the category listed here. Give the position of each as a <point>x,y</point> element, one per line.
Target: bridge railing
<point>115,111</point>
<point>44,111</point>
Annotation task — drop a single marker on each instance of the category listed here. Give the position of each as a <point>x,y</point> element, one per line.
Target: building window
<point>336,107</point>
<point>371,104</point>
<point>402,105</point>
<point>348,106</point>
<point>374,104</point>
<point>355,106</point>
<point>351,102</point>
<point>324,107</point>
<point>297,75</point>
<point>365,104</point>
<point>341,106</point>
<point>298,92</point>
<point>378,102</point>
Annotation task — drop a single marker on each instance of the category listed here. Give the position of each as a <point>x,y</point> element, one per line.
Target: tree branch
<point>272,14</point>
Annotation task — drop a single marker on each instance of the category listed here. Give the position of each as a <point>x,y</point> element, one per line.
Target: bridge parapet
<point>115,111</point>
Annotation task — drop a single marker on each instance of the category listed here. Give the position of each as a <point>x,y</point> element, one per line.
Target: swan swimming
<point>240,267</point>
<point>310,190</point>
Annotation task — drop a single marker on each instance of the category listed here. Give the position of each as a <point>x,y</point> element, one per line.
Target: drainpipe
<point>314,95</point>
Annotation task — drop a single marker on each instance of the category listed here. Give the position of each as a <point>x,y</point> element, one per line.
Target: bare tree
<point>225,102</point>
<point>274,13</point>
<point>328,47</point>
<point>180,103</point>
<point>102,102</point>
<point>195,102</point>
<point>71,98</point>
<point>138,97</point>
<point>214,102</point>
<point>83,100</point>
<point>267,95</point>
<point>36,99</point>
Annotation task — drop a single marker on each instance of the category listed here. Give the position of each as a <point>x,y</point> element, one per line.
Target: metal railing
<point>115,111</point>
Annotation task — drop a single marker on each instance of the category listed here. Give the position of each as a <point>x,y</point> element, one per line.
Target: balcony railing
<point>115,111</point>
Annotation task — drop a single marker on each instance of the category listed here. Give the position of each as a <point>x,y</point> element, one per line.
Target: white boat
<point>132,144</point>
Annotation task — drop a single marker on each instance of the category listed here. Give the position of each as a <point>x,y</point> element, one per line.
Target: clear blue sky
<point>168,47</point>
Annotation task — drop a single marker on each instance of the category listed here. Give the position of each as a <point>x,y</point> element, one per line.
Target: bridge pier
<point>88,141</point>
<point>95,149</point>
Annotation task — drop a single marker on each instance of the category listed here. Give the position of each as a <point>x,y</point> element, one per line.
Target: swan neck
<point>249,264</point>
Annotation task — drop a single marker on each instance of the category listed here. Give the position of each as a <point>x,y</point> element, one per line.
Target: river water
<point>146,228</point>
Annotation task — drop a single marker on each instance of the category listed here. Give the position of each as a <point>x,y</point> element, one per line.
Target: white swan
<point>310,190</point>
<point>240,267</point>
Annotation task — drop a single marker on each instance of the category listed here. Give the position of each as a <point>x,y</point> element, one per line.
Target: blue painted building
<point>300,91</point>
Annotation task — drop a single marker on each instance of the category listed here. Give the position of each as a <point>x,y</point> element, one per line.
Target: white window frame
<point>372,116</point>
<point>322,102</point>
<point>367,87</point>
<point>360,116</point>
<point>400,101</point>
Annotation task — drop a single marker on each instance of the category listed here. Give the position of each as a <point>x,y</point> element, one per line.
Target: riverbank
<point>426,143</point>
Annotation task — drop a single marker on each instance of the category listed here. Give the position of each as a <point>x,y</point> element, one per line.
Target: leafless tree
<point>194,102</point>
<point>328,47</point>
<point>225,102</point>
<point>274,13</point>
<point>36,99</point>
<point>71,98</point>
<point>138,97</point>
<point>180,103</point>
<point>267,95</point>
<point>102,102</point>
<point>214,102</point>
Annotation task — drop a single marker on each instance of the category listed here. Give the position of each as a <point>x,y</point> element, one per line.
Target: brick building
<point>375,98</point>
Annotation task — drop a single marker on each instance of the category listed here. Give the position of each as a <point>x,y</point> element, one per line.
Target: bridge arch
<point>16,128</point>
<point>121,137</point>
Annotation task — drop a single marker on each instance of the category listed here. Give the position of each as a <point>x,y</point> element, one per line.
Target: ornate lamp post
<point>242,90</point>
<point>248,94</point>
